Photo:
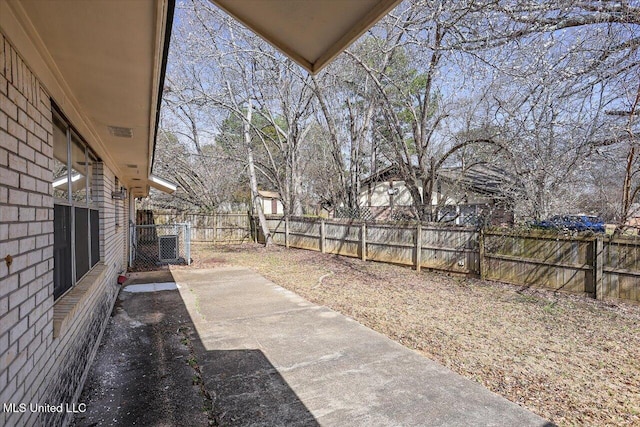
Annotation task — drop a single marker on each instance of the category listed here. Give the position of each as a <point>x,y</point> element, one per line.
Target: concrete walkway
<point>261,355</point>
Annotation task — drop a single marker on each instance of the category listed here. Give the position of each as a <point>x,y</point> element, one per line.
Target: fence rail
<point>601,266</point>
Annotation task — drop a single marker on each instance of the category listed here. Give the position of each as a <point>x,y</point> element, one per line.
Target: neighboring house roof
<point>383,175</point>
<point>480,178</point>
<point>311,32</point>
<point>268,194</point>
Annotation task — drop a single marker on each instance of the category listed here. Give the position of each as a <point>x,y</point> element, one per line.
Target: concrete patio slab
<point>272,358</point>
<point>230,348</point>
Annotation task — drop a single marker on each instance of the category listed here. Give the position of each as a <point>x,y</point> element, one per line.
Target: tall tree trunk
<point>268,240</point>
<point>296,186</point>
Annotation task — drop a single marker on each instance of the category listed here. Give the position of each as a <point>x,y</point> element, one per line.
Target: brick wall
<point>114,222</point>
<point>36,366</point>
<point>26,229</point>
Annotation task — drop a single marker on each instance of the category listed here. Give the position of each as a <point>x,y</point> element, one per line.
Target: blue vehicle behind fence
<point>573,223</point>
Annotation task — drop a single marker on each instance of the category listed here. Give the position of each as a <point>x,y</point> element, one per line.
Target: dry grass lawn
<point>570,359</point>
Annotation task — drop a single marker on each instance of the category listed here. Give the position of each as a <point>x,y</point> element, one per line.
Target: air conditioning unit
<point>168,248</point>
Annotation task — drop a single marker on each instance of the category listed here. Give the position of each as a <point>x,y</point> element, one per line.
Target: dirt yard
<point>570,359</point>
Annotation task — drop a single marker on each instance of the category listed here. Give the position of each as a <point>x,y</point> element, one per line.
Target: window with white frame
<point>76,218</point>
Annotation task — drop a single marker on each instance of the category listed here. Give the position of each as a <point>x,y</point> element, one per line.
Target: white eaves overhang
<point>102,62</point>
<point>311,32</point>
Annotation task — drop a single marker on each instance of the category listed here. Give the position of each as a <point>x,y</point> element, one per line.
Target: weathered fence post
<point>215,228</point>
<point>323,240</point>
<point>286,232</point>
<point>188,243</point>
<point>418,246</point>
<point>363,242</point>
<point>598,263</point>
<point>481,243</point>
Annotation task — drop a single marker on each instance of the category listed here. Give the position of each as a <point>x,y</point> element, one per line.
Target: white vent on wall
<point>121,132</point>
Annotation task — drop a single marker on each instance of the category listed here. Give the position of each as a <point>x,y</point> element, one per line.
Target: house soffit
<point>311,32</point>
<point>479,179</point>
<point>106,58</point>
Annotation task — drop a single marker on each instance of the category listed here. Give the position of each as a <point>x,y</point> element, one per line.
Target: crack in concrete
<point>214,420</point>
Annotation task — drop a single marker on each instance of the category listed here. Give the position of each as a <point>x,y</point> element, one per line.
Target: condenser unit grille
<point>168,248</point>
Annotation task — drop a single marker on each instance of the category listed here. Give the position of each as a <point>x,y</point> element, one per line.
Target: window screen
<point>82,241</point>
<point>95,237</point>
<point>62,279</point>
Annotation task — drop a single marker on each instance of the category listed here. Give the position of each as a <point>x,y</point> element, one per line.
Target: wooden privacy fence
<point>601,266</point>
<point>620,271</point>
<point>218,228</point>
<point>453,249</point>
<point>540,259</point>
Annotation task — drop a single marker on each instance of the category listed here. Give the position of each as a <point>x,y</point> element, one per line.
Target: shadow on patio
<point>149,371</point>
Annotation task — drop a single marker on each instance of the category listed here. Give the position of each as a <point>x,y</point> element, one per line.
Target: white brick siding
<point>25,234</point>
<point>35,365</point>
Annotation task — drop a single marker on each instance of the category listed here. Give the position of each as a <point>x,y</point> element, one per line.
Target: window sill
<point>65,309</point>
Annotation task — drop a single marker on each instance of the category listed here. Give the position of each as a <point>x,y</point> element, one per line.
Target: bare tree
<point>563,65</point>
<point>347,101</point>
<point>631,181</point>
<point>414,44</point>
<point>238,66</point>
<point>252,177</point>
<point>522,85</point>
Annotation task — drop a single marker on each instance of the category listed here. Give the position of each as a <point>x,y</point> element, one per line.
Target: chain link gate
<point>156,245</point>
